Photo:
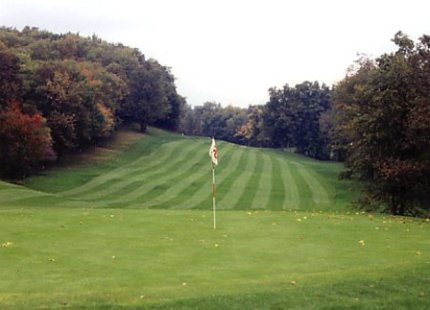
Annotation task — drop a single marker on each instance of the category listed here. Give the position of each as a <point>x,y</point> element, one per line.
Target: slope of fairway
<point>163,170</point>
<point>133,230</point>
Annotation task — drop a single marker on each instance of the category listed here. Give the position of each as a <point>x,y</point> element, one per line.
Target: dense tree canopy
<point>211,119</point>
<point>291,118</point>
<point>10,82</point>
<point>382,125</point>
<point>62,92</point>
<point>83,87</point>
<point>19,156</point>
<point>153,98</point>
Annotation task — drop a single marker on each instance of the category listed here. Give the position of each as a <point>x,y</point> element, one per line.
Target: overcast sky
<point>232,51</point>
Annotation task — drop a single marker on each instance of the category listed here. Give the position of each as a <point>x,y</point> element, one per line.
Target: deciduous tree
<point>25,141</point>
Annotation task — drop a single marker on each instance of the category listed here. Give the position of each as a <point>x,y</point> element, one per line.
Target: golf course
<point>129,226</point>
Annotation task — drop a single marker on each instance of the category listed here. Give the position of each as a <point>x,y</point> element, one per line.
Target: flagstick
<point>213,195</point>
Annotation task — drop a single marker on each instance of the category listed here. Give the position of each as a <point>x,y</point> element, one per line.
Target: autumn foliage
<point>25,141</point>
<point>79,89</point>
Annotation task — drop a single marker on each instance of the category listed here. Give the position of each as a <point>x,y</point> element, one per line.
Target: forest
<point>61,93</point>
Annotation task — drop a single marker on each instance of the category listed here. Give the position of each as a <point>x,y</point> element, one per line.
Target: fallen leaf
<point>7,244</point>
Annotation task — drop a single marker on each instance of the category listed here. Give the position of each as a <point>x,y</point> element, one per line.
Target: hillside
<point>117,232</point>
<point>164,170</point>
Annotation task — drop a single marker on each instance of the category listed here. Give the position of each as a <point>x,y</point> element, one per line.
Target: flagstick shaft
<point>213,195</point>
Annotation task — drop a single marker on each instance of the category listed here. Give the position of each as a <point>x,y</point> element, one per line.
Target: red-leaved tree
<point>25,141</point>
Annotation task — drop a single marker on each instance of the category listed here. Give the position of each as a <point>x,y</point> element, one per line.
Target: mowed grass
<point>133,230</point>
<point>134,259</point>
<point>168,171</point>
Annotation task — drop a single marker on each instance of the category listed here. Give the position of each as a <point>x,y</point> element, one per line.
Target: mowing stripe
<point>148,161</point>
<point>250,189</point>
<point>202,197</point>
<point>277,194</point>
<point>225,187</point>
<point>159,186</point>
<point>292,198</point>
<point>262,196</point>
<point>117,173</point>
<point>319,194</point>
<point>173,186</point>
<point>161,182</point>
<point>123,187</point>
<point>182,194</point>
<point>174,172</point>
<point>177,193</point>
<point>235,191</point>
<point>199,184</point>
<point>16,194</point>
<point>139,175</point>
<point>306,201</point>
<point>48,199</point>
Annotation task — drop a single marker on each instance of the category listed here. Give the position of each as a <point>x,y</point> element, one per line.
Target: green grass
<point>103,259</point>
<point>133,230</point>
<point>167,171</point>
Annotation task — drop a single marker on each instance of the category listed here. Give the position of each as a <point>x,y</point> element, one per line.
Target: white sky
<point>232,51</point>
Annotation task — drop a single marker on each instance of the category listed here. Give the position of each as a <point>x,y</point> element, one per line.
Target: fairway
<point>134,231</point>
<point>169,171</point>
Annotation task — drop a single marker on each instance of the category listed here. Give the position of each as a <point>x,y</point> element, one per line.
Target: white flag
<point>213,153</point>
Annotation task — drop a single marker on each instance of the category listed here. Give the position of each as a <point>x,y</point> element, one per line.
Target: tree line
<point>376,120</point>
<point>381,126</point>
<point>290,119</point>
<point>61,93</point>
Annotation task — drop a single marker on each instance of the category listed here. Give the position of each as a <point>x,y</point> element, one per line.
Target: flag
<point>213,153</point>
